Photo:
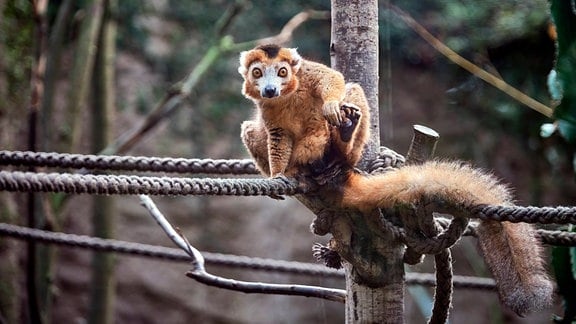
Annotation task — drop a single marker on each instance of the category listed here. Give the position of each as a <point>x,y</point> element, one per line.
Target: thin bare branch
<point>337,295</point>
<point>287,31</point>
<point>469,66</point>
<point>199,273</point>
<point>177,238</point>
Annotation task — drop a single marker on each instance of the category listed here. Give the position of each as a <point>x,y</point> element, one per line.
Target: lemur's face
<point>269,71</point>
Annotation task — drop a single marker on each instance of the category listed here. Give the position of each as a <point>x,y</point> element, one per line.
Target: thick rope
<point>550,237</point>
<point>530,214</point>
<point>545,215</point>
<point>423,235</point>
<point>126,163</point>
<point>443,292</point>
<point>558,238</point>
<point>132,185</point>
<point>164,253</point>
<point>173,254</point>
<point>444,240</point>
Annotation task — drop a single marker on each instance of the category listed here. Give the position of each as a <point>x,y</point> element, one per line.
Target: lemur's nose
<point>269,91</point>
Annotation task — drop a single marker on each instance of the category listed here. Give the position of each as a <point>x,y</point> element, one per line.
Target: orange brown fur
<point>295,126</point>
<point>511,250</point>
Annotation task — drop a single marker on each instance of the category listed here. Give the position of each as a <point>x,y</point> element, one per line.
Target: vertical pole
<point>374,265</point>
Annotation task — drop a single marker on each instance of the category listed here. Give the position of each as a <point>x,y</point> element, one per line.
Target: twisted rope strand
<point>444,285</point>
<point>131,185</point>
<point>173,254</point>
<point>164,253</point>
<point>127,163</point>
<point>550,237</point>
<point>530,214</point>
<point>558,238</point>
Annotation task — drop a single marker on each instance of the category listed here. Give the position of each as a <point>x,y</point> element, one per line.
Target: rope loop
<point>438,243</point>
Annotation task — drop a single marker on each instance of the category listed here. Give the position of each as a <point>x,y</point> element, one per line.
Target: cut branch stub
<point>423,145</point>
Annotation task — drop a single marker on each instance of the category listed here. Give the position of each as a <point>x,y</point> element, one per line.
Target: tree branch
<point>469,66</point>
<point>200,274</point>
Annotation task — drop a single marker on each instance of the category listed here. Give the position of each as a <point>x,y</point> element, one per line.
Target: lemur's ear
<point>296,61</point>
<point>242,69</point>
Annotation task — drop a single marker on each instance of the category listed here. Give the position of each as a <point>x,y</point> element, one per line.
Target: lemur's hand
<point>350,115</point>
<point>331,111</point>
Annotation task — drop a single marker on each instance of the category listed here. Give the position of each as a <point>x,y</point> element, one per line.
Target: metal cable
<point>131,185</point>
<point>127,163</point>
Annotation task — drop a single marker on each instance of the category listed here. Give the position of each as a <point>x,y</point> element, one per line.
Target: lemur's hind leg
<point>354,132</point>
<point>255,139</point>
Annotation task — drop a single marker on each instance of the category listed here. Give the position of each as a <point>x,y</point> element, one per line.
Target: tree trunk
<point>374,270</point>
<point>103,106</point>
<point>354,52</point>
<point>81,73</point>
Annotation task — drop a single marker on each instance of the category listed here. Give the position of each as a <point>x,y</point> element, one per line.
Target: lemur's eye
<point>257,73</point>
<point>282,72</point>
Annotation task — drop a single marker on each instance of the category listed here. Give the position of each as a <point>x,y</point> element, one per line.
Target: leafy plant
<point>562,87</point>
<point>562,79</point>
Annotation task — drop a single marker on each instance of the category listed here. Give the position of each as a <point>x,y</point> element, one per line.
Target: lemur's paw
<point>323,253</point>
<point>387,160</point>
<point>350,115</point>
<point>331,111</point>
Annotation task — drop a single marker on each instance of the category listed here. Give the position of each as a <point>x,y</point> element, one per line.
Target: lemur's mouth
<point>270,92</point>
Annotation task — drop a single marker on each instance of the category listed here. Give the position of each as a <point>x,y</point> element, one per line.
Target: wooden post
<point>103,105</point>
<point>354,52</point>
<point>374,266</point>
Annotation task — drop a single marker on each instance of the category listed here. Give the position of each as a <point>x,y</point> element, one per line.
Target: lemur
<point>307,113</point>
<point>299,104</point>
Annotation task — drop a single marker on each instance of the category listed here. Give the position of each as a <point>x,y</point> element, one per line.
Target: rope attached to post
<point>529,214</point>
<point>17,181</point>
<point>173,254</point>
<point>127,163</point>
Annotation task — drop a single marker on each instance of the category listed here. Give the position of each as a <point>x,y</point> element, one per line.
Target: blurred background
<point>118,61</point>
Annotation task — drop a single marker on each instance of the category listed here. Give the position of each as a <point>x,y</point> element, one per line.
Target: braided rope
<point>173,254</point>
<point>434,245</point>
<point>443,292</point>
<point>164,253</point>
<point>545,215</point>
<point>132,185</point>
<point>530,214</point>
<point>558,238</point>
<point>127,163</point>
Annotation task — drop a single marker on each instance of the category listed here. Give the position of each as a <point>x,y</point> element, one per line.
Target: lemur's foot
<point>323,253</point>
<point>350,117</point>
<point>387,160</point>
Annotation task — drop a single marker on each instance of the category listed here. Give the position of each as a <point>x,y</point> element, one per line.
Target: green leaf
<point>567,129</point>
<point>554,86</point>
<point>562,79</point>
